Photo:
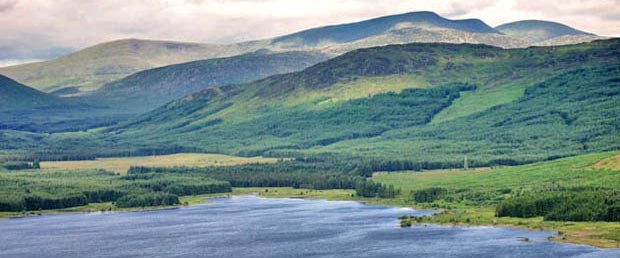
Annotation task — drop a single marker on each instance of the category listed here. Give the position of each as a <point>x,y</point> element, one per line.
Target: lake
<point>249,226</point>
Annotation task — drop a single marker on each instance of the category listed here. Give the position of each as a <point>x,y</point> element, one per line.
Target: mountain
<point>350,32</point>
<point>407,35</point>
<point>534,31</point>
<point>568,39</point>
<point>24,108</point>
<point>416,103</point>
<point>16,96</point>
<point>90,68</point>
<point>87,69</point>
<point>151,88</point>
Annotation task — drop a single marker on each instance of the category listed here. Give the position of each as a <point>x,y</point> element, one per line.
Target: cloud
<point>74,24</point>
<point>599,16</point>
<point>460,8</point>
<point>7,5</point>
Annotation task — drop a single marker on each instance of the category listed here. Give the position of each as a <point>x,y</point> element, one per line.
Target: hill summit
<point>538,31</point>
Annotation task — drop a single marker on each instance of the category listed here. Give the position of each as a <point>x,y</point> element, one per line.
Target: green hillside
<point>88,69</point>
<point>151,88</point>
<point>415,105</point>
<point>27,109</point>
<point>14,95</point>
<point>41,112</point>
<point>569,114</point>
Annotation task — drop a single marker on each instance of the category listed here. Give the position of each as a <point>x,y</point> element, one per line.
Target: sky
<point>42,29</point>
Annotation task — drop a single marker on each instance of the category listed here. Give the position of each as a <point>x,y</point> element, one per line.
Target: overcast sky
<point>42,29</point>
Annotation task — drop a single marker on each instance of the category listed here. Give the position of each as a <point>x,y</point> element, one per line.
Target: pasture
<point>120,165</point>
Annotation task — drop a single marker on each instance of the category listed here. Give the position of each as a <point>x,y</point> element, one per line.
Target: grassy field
<point>611,163</point>
<point>120,165</point>
<point>593,170</point>
<point>489,185</point>
<point>568,172</point>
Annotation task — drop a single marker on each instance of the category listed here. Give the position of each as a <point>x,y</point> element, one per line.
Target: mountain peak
<point>538,30</point>
<point>350,32</point>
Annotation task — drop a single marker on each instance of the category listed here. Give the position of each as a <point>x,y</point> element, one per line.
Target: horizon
<point>75,29</point>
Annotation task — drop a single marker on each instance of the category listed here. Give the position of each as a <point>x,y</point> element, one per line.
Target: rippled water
<point>256,227</point>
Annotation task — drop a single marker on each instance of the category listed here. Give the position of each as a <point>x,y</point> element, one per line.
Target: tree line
<point>583,205</point>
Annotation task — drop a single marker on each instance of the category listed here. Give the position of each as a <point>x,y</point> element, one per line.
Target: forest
<point>30,190</point>
<point>27,190</point>
<point>564,205</point>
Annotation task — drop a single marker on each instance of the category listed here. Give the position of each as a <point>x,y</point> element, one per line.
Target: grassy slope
<point>24,108</point>
<point>120,165</point>
<point>89,68</point>
<point>151,88</point>
<point>538,31</point>
<point>243,118</point>
<point>569,172</point>
<point>566,115</point>
<point>16,96</point>
<point>144,91</point>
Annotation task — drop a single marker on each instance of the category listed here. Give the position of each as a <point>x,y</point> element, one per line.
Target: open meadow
<point>120,165</point>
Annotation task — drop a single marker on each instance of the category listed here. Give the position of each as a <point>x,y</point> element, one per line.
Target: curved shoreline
<point>441,217</point>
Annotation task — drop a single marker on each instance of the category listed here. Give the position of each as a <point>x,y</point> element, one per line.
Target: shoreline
<point>460,216</point>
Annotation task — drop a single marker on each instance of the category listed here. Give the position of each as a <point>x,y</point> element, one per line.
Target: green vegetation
<point>564,205</point>
<point>578,192</point>
<point>299,173</point>
<point>523,131</point>
<point>41,190</point>
<point>24,108</point>
<point>369,188</point>
<point>553,195</point>
<point>27,109</point>
<point>338,128</point>
<point>146,90</point>
<point>429,194</point>
<point>428,119</point>
<point>159,199</point>
<point>19,165</point>
<point>88,69</point>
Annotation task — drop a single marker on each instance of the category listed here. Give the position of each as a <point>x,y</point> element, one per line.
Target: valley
<point>507,136</point>
<point>471,195</point>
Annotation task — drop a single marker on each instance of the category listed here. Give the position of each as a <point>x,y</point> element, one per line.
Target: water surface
<point>256,227</point>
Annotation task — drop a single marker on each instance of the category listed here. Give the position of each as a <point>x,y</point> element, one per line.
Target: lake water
<point>256,227</point>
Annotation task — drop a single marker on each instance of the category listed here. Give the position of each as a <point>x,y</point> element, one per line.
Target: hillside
<point>151,88</point>
<point>534,31</point>
<point>497,106</point>
<point>87,69</point>
<point>27,109</point>
<point>15,96</point>
<point>90,68</point>
<point>568,39</point>
<point>350,32</point>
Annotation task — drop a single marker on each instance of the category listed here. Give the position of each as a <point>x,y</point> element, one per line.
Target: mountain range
<point>344,90</point>
<point>419,102</point>
<point>91,68</point>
